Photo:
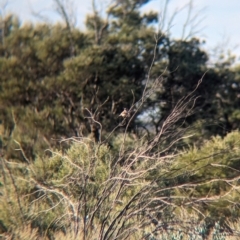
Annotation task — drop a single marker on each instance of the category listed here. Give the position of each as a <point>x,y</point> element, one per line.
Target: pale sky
<point>220,25</point>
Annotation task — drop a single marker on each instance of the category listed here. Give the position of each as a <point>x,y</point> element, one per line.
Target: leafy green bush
<point>104,192</point>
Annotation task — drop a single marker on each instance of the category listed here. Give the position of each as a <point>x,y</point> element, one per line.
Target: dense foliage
<point>91,192</point>
<point>104,176</point>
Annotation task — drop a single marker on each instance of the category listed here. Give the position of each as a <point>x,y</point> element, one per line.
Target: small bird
<point>124,113</point>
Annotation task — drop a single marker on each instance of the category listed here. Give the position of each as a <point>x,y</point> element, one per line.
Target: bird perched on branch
<point>124,113</point>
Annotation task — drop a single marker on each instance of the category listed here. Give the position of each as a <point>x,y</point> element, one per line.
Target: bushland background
<point>71,168</point>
